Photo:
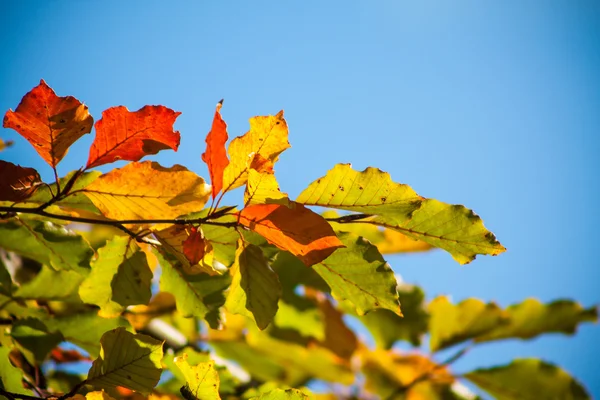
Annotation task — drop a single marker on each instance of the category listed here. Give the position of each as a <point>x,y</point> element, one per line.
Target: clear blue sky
<point>495,105</point>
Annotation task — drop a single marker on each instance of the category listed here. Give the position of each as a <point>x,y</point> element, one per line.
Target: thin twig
<point>14,396</point>
<point>73,391</point>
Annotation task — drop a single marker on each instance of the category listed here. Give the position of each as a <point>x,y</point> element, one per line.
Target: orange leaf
<point>17,183</point>
<point>194,247</point>
<point>50,123</point>
<point>216,154</point>
<point>125,135</point>
<point>262,164</point>
<point>60,356</point>
<point>298,230</point>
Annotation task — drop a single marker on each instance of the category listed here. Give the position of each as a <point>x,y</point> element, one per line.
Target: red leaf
<point>125,135</point>
<point>216,154</point>
<point>60,355</point>
<point>50,123</point>
<point>194,247</point>
<point>17,183</point>
<point>296,229</point>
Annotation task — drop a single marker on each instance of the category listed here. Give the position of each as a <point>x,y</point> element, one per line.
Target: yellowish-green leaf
<point>301,315</point>
<point>528,379</point>
<point>358,272</point>
<point>50,284</point>
<point>34,337</point>
<point>128,360</point>
<point>387,327</point>
<point>120,277</point>
<point>472,319</point>
<point>453,228</point>
<point>262,188</point>
<point>255,288</point>
<point>281,394</point>
<point>76,200</point>
<point>388,241</point>
<point>47,243</point>
<point>450,324</point>
<point>146,190</point>
<point>10,376</point>
<point>198,295</point>
<point>202,379</point>
<point>262,144</point>
<point>532,318</point>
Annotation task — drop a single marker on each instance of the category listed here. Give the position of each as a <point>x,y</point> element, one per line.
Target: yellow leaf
<point>261,145</point>
<point>262,188</point>
<point>146,190</point>
<point>202,379</point>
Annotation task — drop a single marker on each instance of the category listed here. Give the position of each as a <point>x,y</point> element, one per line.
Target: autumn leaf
<point>262,188</point>
<point>125,135</point>
<point>5,144</point>
<point>216,155</point>
<point>11,377</point>
<point>50,123</point>
<point>17,183</point>
<point>453,228</point>
<point>295,229</point>
<point>146,190</point>
<point>202,380</point>
<point>194,247</point>
<point>259,148</point>
<point>255,288</point>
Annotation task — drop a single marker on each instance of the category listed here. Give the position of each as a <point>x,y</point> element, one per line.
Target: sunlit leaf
<point>359,273</point>
<point>474,320</point>
<point>120,277</point>
<point>450,324</point>
<point>388,241</point>
<point>216,154</point>
<point>301,315</point>
<point>202,379</point>
<point>293,272</point>
<point>255,288</point>
<point>17,183</point>
<point>47,243</point>
<point>298,230</point>
<point>50,123</point>
<point>262,188</point>
<point>128,360</point>
<point>34,336</point>
<point>125,135</point>
<point>198,295</point>
<point>11,376</point>
<point>75,200</point>
<point>453,228</point>
<point>146,190</point>
<point>281,394</point>
<point>266,139</point>
<point>50,284</point>
<point>528,379</point>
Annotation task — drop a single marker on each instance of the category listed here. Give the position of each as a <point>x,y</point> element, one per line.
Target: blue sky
<point>494,105</point>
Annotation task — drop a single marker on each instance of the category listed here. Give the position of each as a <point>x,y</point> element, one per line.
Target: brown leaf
<point>50,123</point>
<point>17,183</point>
<point>297,229</point>
<point>125,135</point>
<point>216,154</point>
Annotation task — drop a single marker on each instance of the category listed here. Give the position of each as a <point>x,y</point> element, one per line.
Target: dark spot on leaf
<point>62,121</point>
<point>360,188</point>
<point>342,188</point>
<point>383,199</point>
<point>376,304</point>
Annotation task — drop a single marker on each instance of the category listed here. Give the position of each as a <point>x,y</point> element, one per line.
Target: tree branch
<point>14,396</point>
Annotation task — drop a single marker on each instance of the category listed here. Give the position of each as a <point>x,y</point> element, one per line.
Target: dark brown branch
<point>14,396</point>
<point>345,219</point>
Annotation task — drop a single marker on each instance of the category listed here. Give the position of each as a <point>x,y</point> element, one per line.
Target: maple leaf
<point>146,190</point>
<point>50,123</point>
<point>17,183</point>
<point>125,135</point>
<point>216,155</point>
<point>296,229</point>
<point>259,148</point>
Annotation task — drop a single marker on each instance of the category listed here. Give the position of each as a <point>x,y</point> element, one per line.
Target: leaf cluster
<point>140,273</point>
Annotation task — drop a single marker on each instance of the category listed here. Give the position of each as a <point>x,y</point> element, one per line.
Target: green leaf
<point>387,327</point>
<point>198,295</point>
<point>532,318</point>
<point>6,283</point>
<point>47,243</point>
<point>302,315</point>
<point>34,336</point>
<point>359,273</point>
<point>50,284</point>
<point>202,380</point>
<point>85,329</point>
<point>62,382</point>
<point>526,379</point>
<point>120,277</point>
<point>293,272</point>
<point>77,200</point>
<point>473,319</point>
<point>128,360</point>
<point>11,376</point>
<point>450,324</point>
<point>453,228</point>
<point>281,394</point>
<point>255,288</point>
